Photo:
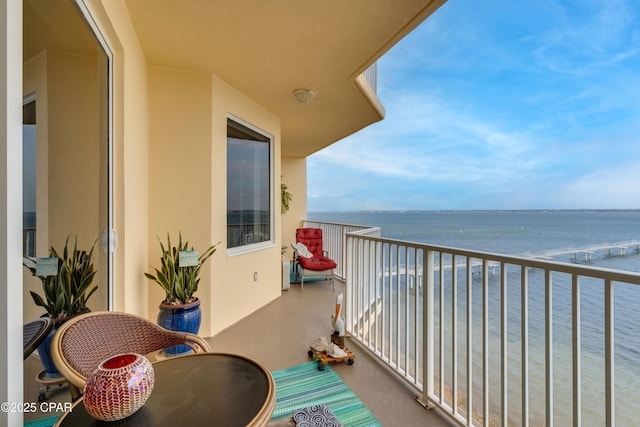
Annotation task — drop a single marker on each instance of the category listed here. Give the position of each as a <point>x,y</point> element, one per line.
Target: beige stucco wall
<point>294,174</point>
<point>187,190</point>
<point>180,184</point>
<point>235,294</point>
<point>174,120</point>
<point>73,148</point>
<point>68,159</point>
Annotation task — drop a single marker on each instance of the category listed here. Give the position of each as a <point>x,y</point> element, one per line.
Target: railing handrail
<point>311,222</point>
<point>530,262</point>
<point>334,240</point>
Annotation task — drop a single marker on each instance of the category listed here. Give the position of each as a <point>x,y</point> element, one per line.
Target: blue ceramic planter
<point>182,318</point>
<point>44,351</point>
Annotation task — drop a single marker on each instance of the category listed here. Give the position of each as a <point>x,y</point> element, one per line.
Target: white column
<point>11,368</point>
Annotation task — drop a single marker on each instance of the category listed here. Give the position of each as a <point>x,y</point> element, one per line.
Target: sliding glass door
<point>67,150</point>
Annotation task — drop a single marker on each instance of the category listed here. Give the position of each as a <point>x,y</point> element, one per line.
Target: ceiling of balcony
<point>266,49</point>
<point>263,48</point>
<point>55,25</point>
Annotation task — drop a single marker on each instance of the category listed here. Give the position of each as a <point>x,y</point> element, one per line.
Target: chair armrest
<point>197,344</point>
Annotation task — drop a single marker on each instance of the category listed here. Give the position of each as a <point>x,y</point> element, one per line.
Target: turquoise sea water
<point>535,232</point>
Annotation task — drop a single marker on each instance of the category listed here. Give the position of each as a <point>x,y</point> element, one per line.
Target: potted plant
<point>179,276</point>
<point>285,198</point>
<point>66,286</point>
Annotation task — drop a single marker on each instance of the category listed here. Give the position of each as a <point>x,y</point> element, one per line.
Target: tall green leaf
<point>178,283</point>
<point>66,293</point>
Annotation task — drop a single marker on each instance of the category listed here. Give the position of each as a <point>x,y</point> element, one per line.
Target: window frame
<point>253,247</point>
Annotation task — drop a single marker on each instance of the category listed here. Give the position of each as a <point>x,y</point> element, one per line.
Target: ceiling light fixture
<point>303,96</point>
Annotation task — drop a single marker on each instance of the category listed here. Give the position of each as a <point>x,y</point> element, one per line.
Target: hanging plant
<point>286,198</point>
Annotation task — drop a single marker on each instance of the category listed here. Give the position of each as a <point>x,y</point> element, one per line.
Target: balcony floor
<point>279,335</point>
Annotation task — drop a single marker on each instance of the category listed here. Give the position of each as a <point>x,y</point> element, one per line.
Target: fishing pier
<point>586,254</point>
<point>581,254</point>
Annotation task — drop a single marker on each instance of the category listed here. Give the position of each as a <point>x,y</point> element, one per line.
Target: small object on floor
<point>335,351</point>
<point>316,416</point>
<point>337,320</point>
<point>337,339</point>
<point>323,357</point>
<point>321,344</point>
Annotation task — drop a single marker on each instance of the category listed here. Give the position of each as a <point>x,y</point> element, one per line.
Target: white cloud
<point>614,187</point>
<point>426,140</point>
<point>499,106</point>
<point>604,34</point>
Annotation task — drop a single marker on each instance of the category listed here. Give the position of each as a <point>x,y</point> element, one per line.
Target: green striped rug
<point>304,385</point>
<point>44,422</point>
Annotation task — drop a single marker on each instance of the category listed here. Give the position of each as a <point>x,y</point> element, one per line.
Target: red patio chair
<point>316,266</point>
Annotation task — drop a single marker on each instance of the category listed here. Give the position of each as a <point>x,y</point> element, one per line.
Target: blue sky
<point>499,105</point>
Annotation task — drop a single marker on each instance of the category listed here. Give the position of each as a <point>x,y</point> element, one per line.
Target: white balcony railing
<point>493,339</point>
<point>334,240</point>
<point>371,74</point>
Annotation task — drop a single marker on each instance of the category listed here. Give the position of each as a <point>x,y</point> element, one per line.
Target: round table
<point>198,389</point>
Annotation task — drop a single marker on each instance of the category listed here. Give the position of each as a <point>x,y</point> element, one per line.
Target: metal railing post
<point>428,325</point>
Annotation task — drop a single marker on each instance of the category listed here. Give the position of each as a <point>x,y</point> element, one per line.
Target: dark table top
<point>198,389</point>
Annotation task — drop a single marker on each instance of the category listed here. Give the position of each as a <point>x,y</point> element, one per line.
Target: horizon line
<point>478,210</point>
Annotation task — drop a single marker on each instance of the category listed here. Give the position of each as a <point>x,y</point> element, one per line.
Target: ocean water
<point>505,232</point>
<point>537,232</point>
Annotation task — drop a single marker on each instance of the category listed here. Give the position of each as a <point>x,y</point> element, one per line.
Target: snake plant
<point>67,292</point>
<point>179,282</point>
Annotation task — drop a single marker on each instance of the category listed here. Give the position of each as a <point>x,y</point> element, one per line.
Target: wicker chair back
<point>81,343</point>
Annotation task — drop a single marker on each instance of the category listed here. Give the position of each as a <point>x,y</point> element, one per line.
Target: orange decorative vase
<point>118,387</point>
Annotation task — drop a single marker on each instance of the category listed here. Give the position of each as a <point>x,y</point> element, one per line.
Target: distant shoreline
<point>395,211</point>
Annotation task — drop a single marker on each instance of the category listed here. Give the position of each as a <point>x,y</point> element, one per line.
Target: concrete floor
<point>279,335</point>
